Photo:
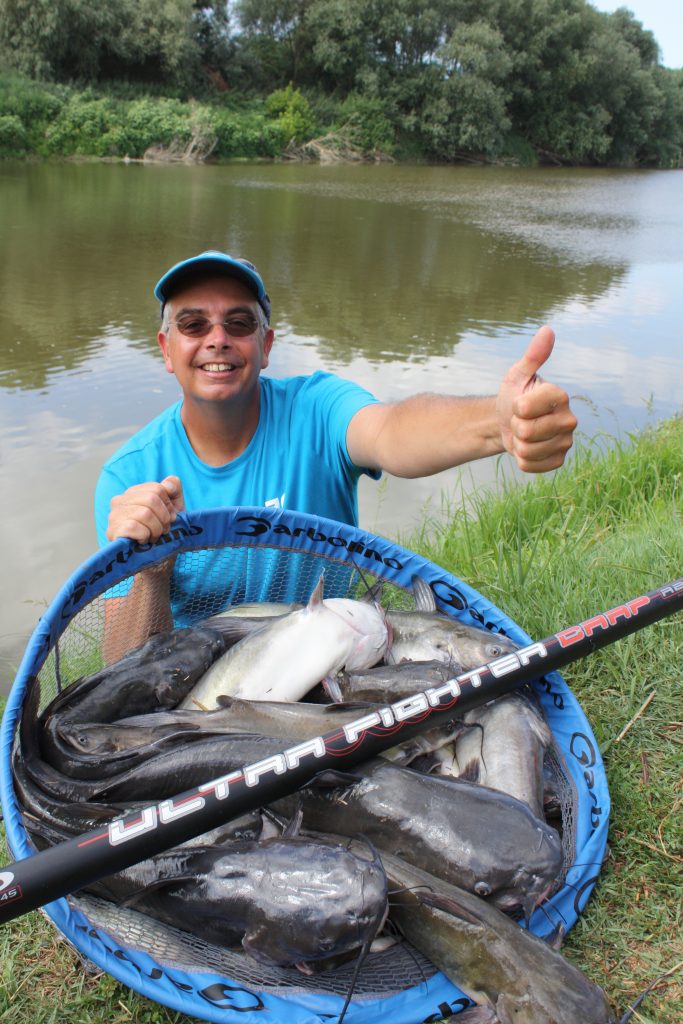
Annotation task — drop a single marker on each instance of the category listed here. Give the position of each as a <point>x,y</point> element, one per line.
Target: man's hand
<point>536,423</point>
<point>145,511</point>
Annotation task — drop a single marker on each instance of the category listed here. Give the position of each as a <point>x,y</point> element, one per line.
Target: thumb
<point>174,489</point>
<point>523,372</point>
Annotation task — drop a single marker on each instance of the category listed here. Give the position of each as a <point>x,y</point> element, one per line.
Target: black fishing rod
<point>76,863</point>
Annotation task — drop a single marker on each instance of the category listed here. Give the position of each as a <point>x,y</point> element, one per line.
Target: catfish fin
<point>556,937</point>
<point>331,778</point>
<point>424,596</point>
<point>347,705</point>
<point>224,700</point>
<point>332,689</point>
<point>293,827</point>
<point>470,772</point>
<point>316,598</point>
<point>373,595</point>
<point>448,905</point>
<point>160,883</point>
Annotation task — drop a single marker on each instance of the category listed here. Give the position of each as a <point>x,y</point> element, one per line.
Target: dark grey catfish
<point>156,675</point>
<point>297,720</point>
<point>286,901</point>
<point>426,634</point>
<point>389,683</point>
<point>55,820</point>
<point>504,748</point>
<point>164,775</point>
<point>475,837</point>
<point>494,961</point>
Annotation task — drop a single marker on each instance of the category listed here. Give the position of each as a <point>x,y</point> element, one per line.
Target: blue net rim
<point>215,998</point>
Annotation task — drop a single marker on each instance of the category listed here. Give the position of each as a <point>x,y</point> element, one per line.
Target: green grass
<point>606,528</point>
<point>551,554</point>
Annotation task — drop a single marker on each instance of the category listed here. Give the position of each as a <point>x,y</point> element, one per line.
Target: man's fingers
<point>545,399</point>
<point>523,373</point>
<point>174,490</point>
<point>540,442</point>
<point>146,511</point>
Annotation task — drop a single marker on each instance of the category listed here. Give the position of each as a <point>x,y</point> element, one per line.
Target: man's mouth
<point>218,367</point>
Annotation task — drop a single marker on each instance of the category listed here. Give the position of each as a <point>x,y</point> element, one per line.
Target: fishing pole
<point>69,866</point>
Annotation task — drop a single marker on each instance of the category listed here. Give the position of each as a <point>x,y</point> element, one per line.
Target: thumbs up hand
<point>536,423</point>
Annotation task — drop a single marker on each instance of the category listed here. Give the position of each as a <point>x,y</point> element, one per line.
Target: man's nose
<point>218,334</point>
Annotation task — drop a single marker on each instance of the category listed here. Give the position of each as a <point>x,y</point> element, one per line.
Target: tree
<point>468,113</point>
<point>139,40</point>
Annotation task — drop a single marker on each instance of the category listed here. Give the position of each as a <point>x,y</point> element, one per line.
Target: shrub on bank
<point>13,136</point>
<point>42,120</point>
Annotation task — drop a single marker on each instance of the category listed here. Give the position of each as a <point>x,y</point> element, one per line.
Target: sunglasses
<point>199,326</point>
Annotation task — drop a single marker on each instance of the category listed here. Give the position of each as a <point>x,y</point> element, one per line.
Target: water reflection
<point>381,263</point>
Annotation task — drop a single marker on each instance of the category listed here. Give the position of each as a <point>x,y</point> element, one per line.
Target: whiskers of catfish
<point>387,927</point>
<point>545,906</point>
<point>392,929</point>
<point>362,956</point>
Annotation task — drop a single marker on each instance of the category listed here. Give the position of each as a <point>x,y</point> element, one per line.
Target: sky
<point>664,18</point>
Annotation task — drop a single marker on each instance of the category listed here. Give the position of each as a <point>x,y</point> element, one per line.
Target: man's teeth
<point>218,367</point>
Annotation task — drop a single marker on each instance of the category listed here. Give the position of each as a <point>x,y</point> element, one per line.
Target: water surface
<point>405,279</point>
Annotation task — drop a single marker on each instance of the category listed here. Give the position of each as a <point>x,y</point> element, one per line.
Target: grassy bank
<point>604,529</point>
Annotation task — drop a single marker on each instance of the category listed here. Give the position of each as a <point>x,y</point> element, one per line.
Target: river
<point>403,278</point>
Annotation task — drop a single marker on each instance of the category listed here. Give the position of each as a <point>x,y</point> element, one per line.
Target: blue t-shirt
<point>297,459</point>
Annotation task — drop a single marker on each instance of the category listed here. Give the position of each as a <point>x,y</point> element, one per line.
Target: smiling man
<point>239,438</point>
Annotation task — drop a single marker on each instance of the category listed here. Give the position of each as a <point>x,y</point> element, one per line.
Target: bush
<point>372,126</point>
<point>245,134</point>
<point>13,136</point>
<point>148,122</point>
<point>34,105</point>
<point>81,127</point>
<point>292,113</point>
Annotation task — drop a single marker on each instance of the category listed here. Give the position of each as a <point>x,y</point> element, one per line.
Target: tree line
<point>444,80</point>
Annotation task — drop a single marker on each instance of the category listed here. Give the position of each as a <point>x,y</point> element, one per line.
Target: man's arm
<point>146,609</point>
<point>425,434</point>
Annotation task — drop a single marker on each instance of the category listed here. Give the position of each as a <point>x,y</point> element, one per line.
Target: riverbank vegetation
<point>605,528</point>
<point>551,81</point>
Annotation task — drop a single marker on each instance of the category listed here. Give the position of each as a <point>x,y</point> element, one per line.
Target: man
<point>302,443</point>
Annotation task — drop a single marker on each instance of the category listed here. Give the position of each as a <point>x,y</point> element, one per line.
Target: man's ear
<point>162,339</point>
<point>268,340</point>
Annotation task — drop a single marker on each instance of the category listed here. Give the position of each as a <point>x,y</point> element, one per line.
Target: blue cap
<point>213,262</point>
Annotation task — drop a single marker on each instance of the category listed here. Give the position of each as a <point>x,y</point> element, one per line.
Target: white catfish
<point>289,655</point>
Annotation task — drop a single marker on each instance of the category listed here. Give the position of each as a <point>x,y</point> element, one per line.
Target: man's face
<point>217,367</point>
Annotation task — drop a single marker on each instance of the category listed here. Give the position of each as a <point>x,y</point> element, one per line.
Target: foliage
<point>554,80</point>
<point>79,40</point>
<point>468,114</point>
<point>292,114</point>
<point>65,122</point>
<point>371,125</point>
<point>13,135</point>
